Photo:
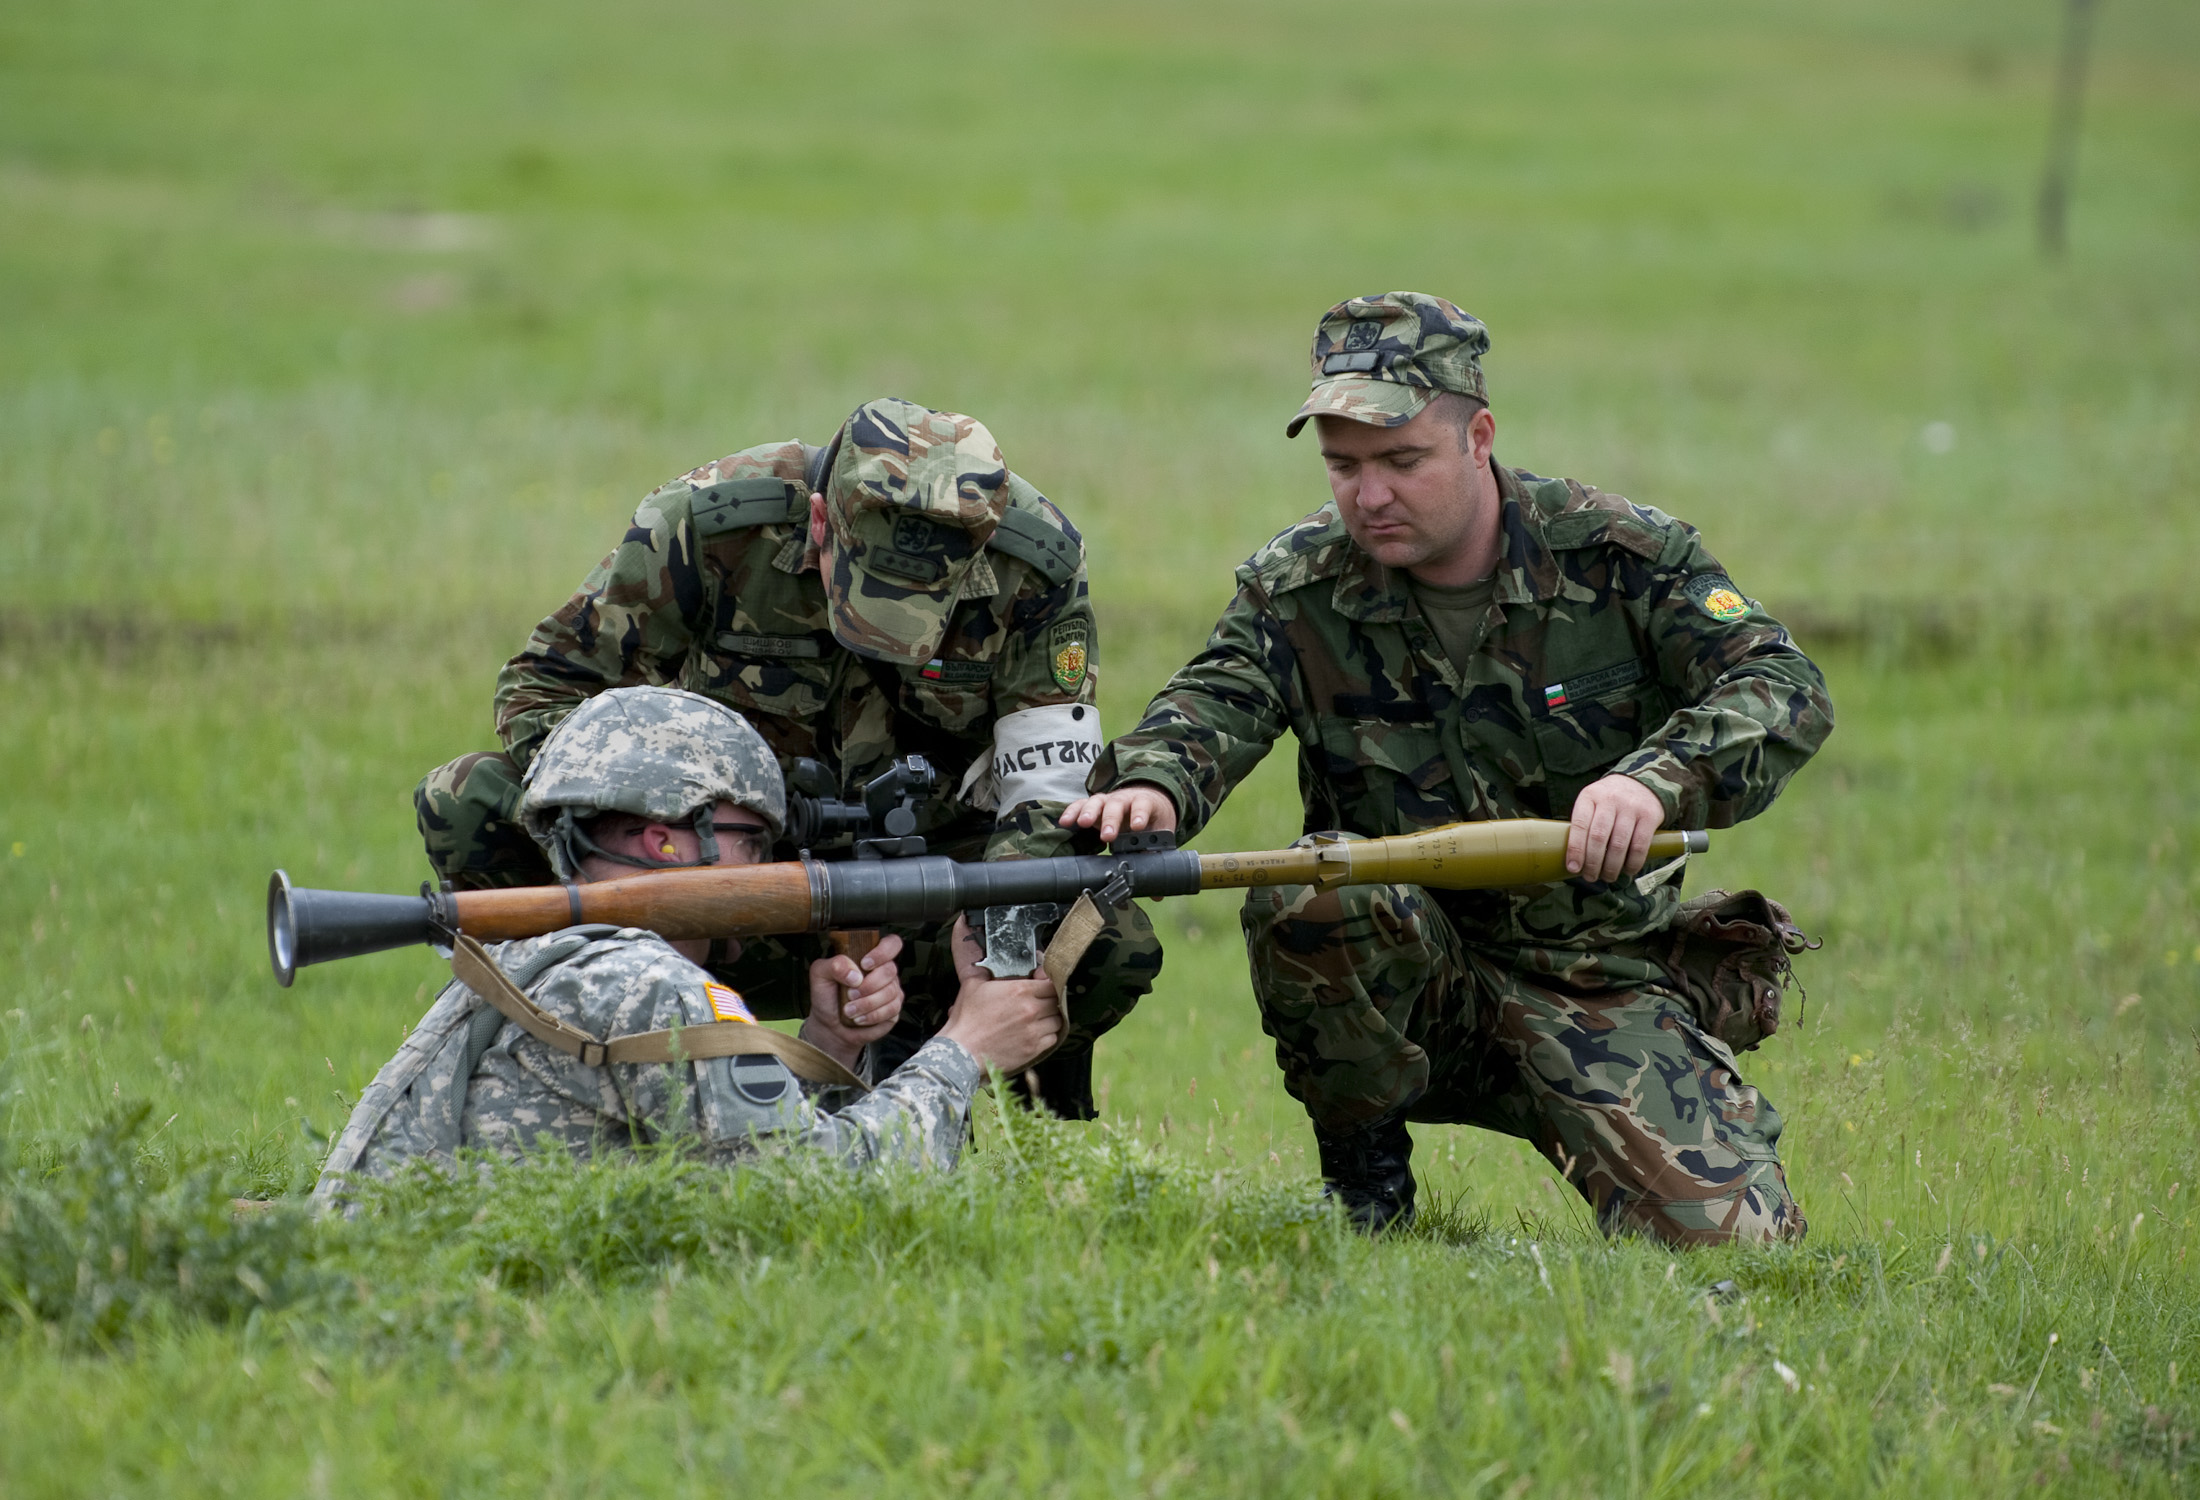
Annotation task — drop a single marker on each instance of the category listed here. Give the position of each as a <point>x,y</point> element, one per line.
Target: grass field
<point>337,340</point>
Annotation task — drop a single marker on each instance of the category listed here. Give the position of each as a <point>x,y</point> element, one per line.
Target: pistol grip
<point>855,944</point>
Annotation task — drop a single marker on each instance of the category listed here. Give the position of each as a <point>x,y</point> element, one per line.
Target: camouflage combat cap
<point>1381,359</point>
<point>912,496</point>
<point>656,752</point>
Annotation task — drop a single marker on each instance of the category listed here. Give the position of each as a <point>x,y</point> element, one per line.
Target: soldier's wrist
<point>1655,778</point>
<point>1150,779</point>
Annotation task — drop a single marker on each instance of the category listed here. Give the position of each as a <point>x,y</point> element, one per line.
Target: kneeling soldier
<point>1450,640</point>
<point>654,778</point>
<point>898,592</point>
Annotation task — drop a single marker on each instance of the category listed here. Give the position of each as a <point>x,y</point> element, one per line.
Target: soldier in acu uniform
<point>1450,639</point>
<point>654,778</point>
<point>898,592</point>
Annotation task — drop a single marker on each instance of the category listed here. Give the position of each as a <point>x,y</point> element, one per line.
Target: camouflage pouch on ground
<point>1732,954</point>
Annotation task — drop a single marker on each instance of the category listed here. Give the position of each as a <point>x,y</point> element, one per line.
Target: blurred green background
<point>337,341</point>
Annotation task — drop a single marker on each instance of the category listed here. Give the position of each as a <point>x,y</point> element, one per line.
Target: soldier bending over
<point>900,591</point>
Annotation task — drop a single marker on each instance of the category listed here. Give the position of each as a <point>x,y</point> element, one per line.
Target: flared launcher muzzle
<point>312,927</point>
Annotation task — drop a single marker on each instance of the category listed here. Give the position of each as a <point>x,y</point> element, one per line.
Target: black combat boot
<point>1369,1171</point>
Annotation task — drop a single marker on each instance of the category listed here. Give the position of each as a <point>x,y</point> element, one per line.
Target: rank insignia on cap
<point>1066,652</point>
<point>913,533</point>
<point>727,1005</point>
<point>1716,596</point>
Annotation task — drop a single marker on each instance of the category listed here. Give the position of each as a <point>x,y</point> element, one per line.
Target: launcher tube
<point>738,901</point>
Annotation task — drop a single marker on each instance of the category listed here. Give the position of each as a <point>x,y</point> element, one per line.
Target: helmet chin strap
<point>574,845</point>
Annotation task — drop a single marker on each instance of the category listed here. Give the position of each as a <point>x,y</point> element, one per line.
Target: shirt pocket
<point>955,703</point>
<point>1392,774</point>
<point>1737,1117</point>
<point>787,677</point>
<point>1582,737</point>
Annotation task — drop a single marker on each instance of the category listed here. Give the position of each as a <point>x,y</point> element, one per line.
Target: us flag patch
<point>727,1005</point>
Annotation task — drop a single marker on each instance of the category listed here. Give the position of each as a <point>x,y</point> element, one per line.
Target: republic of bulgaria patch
<point>1066,653</point>
<point>1716,596</point>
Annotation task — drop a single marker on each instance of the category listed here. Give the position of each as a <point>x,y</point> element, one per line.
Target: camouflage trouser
<point>1376,1004</point>
<point>469,820</point>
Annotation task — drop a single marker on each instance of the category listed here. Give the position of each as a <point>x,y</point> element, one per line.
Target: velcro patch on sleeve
<point>727,1005</point>
<point>1716,596</point>
<point>1069,652</point>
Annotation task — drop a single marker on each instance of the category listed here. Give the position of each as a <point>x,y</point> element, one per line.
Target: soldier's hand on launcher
<point>866,992</point>
<point>1613,821</point>
<point>1003,1023</point>
<point>1137,805</point>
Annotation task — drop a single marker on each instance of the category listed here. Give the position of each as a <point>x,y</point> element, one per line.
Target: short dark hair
<point>1458,410</point>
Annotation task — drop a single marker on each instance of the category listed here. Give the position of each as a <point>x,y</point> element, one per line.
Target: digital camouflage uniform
<point>716,588</point>
<point>1615,642</point>
<point>466,1077</point>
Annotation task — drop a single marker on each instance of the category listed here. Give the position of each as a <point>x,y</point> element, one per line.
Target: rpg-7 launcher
<point>812,895</point>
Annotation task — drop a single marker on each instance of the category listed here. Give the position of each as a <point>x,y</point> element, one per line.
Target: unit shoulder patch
<point>1069,646</point>
<point>1716,596</point>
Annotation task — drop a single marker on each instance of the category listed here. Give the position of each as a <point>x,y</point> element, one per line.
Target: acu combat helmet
<point>657,753</point>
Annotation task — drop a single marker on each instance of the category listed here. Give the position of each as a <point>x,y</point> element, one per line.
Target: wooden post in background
<point>2062,133</point>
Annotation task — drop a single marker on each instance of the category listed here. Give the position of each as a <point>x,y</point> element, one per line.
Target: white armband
<point>1039,755</point>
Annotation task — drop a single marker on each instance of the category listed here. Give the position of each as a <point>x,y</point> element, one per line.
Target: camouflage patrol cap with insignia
<point>912,496</point>
<point>1381,359</point>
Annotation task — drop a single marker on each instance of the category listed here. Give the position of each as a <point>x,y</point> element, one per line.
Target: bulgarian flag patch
<point>1554,696</point>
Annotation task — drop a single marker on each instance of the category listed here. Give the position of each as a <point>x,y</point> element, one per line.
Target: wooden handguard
<point>712,902</point>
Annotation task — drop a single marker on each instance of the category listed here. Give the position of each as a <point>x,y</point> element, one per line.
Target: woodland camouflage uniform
<point>1614,642</point>
<point>967,599</point>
